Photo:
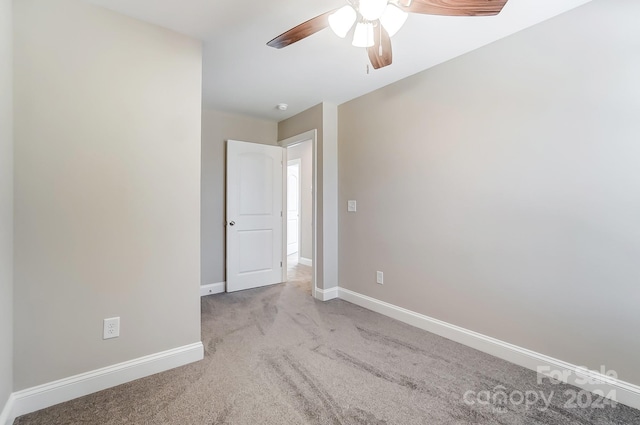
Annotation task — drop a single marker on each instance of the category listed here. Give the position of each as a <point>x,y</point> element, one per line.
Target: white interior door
<point>254,215</point>
<point>293,206</point>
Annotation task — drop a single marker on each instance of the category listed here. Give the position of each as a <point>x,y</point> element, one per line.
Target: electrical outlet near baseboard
<point>380,278</point>
<point>111,328</point>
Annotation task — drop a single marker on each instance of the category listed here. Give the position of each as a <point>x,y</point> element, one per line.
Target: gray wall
<point>217,128</point>
<point>501,191</point>
<point>304,152</point>
<point>107,188</point>
<point>6,202</point>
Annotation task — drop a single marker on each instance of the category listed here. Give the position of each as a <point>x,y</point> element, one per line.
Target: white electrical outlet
<point>380,278</point>
<point>111,328</point>
<point>351,206</point>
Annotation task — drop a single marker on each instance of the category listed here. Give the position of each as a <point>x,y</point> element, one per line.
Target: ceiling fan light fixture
<point>372,10</point>
<point>363,35</point>
<point>393,19</point>
<point>377,20</point>
<point>342,20</point>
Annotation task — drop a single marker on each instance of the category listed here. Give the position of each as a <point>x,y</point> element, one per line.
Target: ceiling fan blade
<point>454,7</point>
<point>380,52</point>
<point>301,31</point>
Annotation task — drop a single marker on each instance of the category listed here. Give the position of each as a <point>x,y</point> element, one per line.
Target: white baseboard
<point>6,415</point>
<point>42,396</point>
<point>625,393</point>
<point>212,288</point>
<point>305,261</point>
<point>327,294</point>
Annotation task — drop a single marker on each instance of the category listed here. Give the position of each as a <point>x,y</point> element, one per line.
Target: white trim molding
<point>6,416</point>
<point>42,396</point>
<point>625,393</point>
<point>305,261</point>
<point>211,289</point>
<point>327,294</point>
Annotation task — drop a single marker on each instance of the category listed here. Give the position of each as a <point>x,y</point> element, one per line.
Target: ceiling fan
<point>376,21</point>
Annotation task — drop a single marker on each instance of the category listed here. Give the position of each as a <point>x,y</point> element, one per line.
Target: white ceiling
<point>243,75</point>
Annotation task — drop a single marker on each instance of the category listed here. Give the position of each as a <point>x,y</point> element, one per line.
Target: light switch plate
<point>351,206</point>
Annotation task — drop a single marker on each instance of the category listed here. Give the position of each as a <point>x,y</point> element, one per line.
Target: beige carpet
<point>276,356</point>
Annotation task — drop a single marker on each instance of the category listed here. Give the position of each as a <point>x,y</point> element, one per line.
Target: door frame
<point>310,135</point>
<point>297,162</point>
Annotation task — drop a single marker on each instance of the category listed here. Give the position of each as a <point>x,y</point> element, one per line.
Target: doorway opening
<point>294,206</point>
<point>301,206</point>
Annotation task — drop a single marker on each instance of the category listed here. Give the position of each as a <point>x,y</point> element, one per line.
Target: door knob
<point>232,223</point>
